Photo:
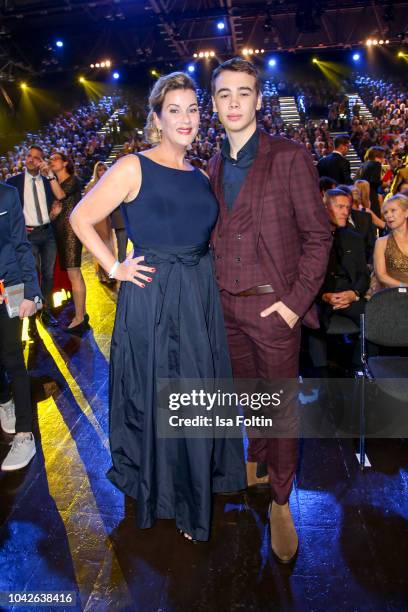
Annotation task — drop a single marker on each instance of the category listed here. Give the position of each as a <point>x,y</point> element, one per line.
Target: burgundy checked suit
<point>276,233</point>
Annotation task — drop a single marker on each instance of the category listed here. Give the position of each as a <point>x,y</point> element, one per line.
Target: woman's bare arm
<point>379,264</point>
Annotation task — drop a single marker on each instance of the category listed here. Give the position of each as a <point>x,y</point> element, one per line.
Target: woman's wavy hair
<point>166,83</point>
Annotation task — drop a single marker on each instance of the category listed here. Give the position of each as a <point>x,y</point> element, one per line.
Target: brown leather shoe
<point>284,539</point>
<point>252,478</point>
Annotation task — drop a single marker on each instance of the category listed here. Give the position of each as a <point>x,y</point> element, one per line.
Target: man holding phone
<point>17,266</point>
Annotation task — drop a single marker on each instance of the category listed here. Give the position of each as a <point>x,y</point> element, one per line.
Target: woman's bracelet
<point>113,269</point>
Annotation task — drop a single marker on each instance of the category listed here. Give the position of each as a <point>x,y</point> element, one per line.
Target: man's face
<point>33,160</point>
<point>235,100</point>
<point>339,210</point>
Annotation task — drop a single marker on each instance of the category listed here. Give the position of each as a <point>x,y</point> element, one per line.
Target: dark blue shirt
<point>235,170</point>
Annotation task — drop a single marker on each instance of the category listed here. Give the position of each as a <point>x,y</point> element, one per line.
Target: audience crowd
<point>362,208</point>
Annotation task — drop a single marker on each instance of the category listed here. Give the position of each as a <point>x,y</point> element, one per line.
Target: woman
<point>67,190</point>
<point>363,188</point>
<point>103,228</point>
<point>371,171</point>
<point>391,251</point>
<point>168,321</point>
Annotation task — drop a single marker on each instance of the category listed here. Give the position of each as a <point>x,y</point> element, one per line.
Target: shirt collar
<point>246,154</point>
<point>30,176</point>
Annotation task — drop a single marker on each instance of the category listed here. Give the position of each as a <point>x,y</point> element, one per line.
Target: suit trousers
<point>267,349</point>
<point>12,363</point>
<point>45,251</point>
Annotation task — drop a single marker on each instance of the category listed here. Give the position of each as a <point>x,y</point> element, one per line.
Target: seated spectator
<point>363,188</point>
<point>361,221</point>
<point>391,252</point>
<point>335,165</point>
<point>325,183</point>
<point>347,278</point>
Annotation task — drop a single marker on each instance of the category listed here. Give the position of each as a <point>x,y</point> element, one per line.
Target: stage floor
<point>64,527</point>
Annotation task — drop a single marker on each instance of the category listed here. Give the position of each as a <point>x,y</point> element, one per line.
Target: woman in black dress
<point>67,189</point>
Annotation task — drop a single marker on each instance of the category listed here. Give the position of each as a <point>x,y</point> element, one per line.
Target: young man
<point>271,246</point>
<point>16,266</point>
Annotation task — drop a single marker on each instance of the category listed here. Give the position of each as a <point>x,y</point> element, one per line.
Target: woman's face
<point>101,170</point>
<point>394,214</point>
<point>56,162</point>
<point>179,118</point>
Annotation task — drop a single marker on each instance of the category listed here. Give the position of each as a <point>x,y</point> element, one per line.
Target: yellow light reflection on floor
<point>97,571</point>
<point>73,385</point>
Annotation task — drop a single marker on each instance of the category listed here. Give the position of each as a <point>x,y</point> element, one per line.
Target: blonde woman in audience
<point>391,251</point>
<point>364,190</point>
<point>104,228</point>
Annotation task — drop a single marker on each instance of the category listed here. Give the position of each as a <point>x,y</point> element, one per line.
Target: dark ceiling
<point>140,31</point>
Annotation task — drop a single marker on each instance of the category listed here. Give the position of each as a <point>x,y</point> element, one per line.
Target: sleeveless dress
<point>173,328</point>
<point>396,261</point>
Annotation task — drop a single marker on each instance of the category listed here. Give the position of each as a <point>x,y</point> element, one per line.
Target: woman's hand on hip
<point>131,270</point>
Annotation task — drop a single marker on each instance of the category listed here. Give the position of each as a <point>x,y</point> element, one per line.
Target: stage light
<point>207,54</point>
<point>356,57</point>
<point>97,65</point>
<point>108,63</point>
<point>375,41</point>
<point>401,54</point>
<point>59,43</point>
<point>103,64</point>
<point>201,54</point>
<point>244,51</point>
<point>195,55</point>
<point>92,66</point>
<point>315,60</point>
<point>381,42</point>
<point>387,42</point>
<point>116,75</point>
<point>221,25</point>
<point>250,51</point>
<point>191,68</point>
<point>369,42</point>
<point>23,85</point>
<point>212,53</point>
<point>272,62</point>
<point>262,50</point>
<point>81,79</point>
<point>256,50</point>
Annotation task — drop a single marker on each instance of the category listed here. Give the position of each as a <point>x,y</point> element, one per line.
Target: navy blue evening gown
<point>172,328</point>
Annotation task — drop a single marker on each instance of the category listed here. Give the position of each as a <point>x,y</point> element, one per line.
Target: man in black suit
<point>16,266</point>
<point>347,277</point>
<point>362,222</point>
<point>335,165</point>
<point>37,198</point>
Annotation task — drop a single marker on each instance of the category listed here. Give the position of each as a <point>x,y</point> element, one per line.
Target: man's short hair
<point>237,64</point>
<point>325,183</point>
<point>341,140</point>
<point>40,149</point>
<point>346,189</point>
<point>374,152</point>
<point>331,194</point>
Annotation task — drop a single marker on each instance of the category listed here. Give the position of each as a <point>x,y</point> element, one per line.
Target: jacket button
<point>236,281</point>
<point>218,256</point>
<point>238,259</point>
<point>239,236</point>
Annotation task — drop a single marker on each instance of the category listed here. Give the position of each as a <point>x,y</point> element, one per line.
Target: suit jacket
<point>363,224</point>
<point>289,228</point>
<point>17,263</point>
<point>336,167</point>
<point>347,269</point>
<point>17,181</point>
